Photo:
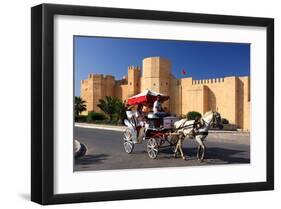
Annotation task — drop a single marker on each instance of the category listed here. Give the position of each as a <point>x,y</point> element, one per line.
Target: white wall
<point>15,103</point>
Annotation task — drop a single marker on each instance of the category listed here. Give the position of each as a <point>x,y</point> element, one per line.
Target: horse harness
<point>195,127</point>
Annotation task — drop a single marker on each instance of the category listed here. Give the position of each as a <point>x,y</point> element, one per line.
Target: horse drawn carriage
<point>155,130</point>
<point>163,132</point>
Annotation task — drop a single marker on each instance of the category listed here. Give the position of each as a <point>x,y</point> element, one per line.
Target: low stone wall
<point>227,127</point>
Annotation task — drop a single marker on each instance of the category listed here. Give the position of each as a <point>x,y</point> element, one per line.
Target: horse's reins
<point>205,122</point>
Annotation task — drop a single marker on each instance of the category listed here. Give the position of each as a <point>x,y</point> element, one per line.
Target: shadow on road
<point>227,156</point>
<point>89,159</point>
<point>220,154</point>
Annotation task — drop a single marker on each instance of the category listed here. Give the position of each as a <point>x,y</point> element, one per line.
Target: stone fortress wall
<point>229,95</point>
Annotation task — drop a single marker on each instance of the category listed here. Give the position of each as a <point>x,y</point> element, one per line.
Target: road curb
<point>122,128</point>
<point>101,127</point>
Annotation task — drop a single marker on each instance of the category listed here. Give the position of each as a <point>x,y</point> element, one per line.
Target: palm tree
<point>120,110</point>
<point>79,106</point>
<point>108,106</point>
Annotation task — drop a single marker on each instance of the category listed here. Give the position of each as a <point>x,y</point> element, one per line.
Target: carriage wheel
<point>127,141</point>
<point>152,148</point>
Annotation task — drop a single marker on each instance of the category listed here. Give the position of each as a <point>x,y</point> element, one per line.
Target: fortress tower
<point>134,74</point>
<point>156,76</point>
<point>96,87</point>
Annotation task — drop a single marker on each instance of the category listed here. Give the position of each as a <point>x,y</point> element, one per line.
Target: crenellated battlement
<point>84,82</point>
<point>100,76</point>
<point>208,81</point>
<point>92,75</point>
<point>132,67</point>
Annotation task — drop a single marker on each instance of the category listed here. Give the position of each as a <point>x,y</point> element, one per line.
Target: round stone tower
<point>156,75</point>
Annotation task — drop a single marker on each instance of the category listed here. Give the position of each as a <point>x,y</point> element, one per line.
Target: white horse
<point>185,128</point>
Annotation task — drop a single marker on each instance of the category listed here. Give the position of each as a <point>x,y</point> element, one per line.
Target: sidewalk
<point>101,126</point>
<point>122,128</point>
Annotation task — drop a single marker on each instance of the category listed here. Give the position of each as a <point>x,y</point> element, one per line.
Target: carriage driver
<point>157,108</point>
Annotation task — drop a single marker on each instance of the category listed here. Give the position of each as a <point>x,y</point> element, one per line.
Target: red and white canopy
<point>146,97</point>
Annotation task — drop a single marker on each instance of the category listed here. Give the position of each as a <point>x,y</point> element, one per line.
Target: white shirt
<point>139,115</point>
<point>156,106</point>
<point>140,118</point>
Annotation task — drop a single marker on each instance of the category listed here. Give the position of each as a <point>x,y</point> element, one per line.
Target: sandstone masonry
<point>229,95</point>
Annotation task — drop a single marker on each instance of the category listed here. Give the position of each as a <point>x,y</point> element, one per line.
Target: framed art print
<point>130,104</point>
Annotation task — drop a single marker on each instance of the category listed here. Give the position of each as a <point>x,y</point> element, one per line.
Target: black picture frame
<point>42,103</point>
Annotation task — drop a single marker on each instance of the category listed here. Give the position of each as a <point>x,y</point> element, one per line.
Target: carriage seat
<point>151,115</point>
<point>154,121</point>
<point>130,114</point>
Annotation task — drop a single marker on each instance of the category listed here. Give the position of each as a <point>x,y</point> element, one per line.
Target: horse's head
<point>216,121</point>
<point>213,119</point>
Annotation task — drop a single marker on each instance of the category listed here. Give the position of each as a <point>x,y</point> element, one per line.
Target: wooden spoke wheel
<point>152,148</point>
<point>128,141</point>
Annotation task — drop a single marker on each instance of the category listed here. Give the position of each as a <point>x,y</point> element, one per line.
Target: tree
<point>79,106</point>
<point>108,106</point>
<point>95,116</point>
<point>120,110</point>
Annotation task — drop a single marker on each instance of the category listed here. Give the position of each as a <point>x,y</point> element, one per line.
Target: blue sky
<point>201,60</point>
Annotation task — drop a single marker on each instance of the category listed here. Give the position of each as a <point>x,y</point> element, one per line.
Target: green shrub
<point>95,116</point>
<point>224,121</point>
<point>192,114</point>
<point>106,122</point>
<point>81,118</point>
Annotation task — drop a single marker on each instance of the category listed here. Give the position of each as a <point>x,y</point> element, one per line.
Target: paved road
<point>105,151</point>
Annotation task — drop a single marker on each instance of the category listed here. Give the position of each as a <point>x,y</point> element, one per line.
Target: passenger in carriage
<point>145,110</point>
<point>140,116</point>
